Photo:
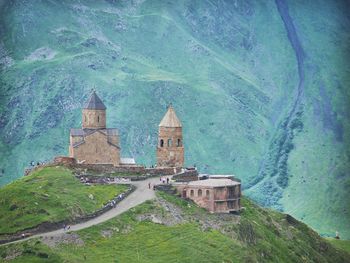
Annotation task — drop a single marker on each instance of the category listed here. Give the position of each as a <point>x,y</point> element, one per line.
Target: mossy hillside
<point>341,244</point>
<point>50,194</point>
<point>228,68</point>
<point>257,235</point>
<point>278,236</point>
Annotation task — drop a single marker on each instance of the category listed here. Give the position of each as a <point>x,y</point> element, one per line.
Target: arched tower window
<point>192,193</point>
<point>85,118</point>
<point>178,142</point>
<point>98,118</point>
<point>169,143</point>
<point>199,192</point>
<point>161,143</point>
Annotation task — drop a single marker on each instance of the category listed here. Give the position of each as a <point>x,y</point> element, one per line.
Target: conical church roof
<point>170,119</point>
<point>94,103</point>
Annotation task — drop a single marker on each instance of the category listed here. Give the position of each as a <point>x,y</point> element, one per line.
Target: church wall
<point>214,199</point>
<point>202,196</point>
<point>94,119</point>
<point>166,133</point>
<point>114,139</point>
<point>172,155</point>
<point>75,139</point>
<point>96,149</point>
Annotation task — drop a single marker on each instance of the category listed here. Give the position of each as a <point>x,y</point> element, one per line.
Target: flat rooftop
<point>214,183</point>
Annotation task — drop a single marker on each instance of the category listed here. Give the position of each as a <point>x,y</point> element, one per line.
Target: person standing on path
<point>149,185</point>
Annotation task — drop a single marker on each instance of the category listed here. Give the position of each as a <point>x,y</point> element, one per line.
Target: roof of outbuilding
<point>94,103</point>
<point>170,119</point>
<point>213,183</point>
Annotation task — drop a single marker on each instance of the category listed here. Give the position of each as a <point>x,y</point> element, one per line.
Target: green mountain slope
<point>170,229</point>
<point>261,89</point>
<point>50,194</point>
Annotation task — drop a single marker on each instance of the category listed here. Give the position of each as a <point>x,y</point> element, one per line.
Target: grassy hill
<point>170,229</point>
<point>50,194</point>
<point>341,244</point>
<point>261,87</point>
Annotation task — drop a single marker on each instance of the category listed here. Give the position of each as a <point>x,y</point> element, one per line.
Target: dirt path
<point>141,194</point>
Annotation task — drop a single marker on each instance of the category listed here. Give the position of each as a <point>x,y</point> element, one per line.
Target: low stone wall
<point>163,171</point>
<point>52,226</point>
<point>186,176</point>
<point>95,171</point>
<point>138,170</point>
<point>105,179</point>
<point>168,188</point>
<point>64,160</point>
<point>104,173</point>
<point>109,168</point>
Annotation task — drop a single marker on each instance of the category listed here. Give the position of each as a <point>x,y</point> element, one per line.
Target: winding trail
<point>141,194</point>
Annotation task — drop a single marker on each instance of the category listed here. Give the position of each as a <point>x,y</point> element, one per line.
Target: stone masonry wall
<point>170,150</point>
<point>96,149</point>
<point>94,119</point>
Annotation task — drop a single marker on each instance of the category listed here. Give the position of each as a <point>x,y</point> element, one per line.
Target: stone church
<point>94,143</point>
<point>170,149</point>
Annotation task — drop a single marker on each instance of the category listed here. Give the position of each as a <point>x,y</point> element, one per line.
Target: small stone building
<point>170,149</point>
<point>215,195</point>
<point>94,143</point>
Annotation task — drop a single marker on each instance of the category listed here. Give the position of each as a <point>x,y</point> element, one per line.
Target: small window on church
<point>85,118</point>
<point>98,118</point>
<point>192,193</point>
<point>169,142</point>
<point>161,143</point>
<point>199,192</point>
<point>178,142</point>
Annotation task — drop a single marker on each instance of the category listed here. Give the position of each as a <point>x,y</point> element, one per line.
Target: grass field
<point>341,244</point>
<point>50,194</point>
<point>258,235</point>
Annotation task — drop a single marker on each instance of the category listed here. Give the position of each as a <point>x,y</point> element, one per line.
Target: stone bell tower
<point>94,113</point>
<point>94,143</point>
<point>170,150</point>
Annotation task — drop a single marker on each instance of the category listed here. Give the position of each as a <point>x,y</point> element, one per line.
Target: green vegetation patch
<point>341,244</point>
<point>51,194</point>
<point>256,235</point>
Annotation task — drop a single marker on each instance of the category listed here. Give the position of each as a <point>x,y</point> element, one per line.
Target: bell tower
<point>170,150</point>
<point>94,113</point>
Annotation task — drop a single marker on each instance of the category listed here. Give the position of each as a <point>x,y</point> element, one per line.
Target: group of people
<point>33,164</point>
<point>66,227</point>
<point>113,202</point>
<point>162,179</point>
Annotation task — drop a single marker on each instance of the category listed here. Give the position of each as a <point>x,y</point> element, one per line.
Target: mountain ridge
<point>210,59</point>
